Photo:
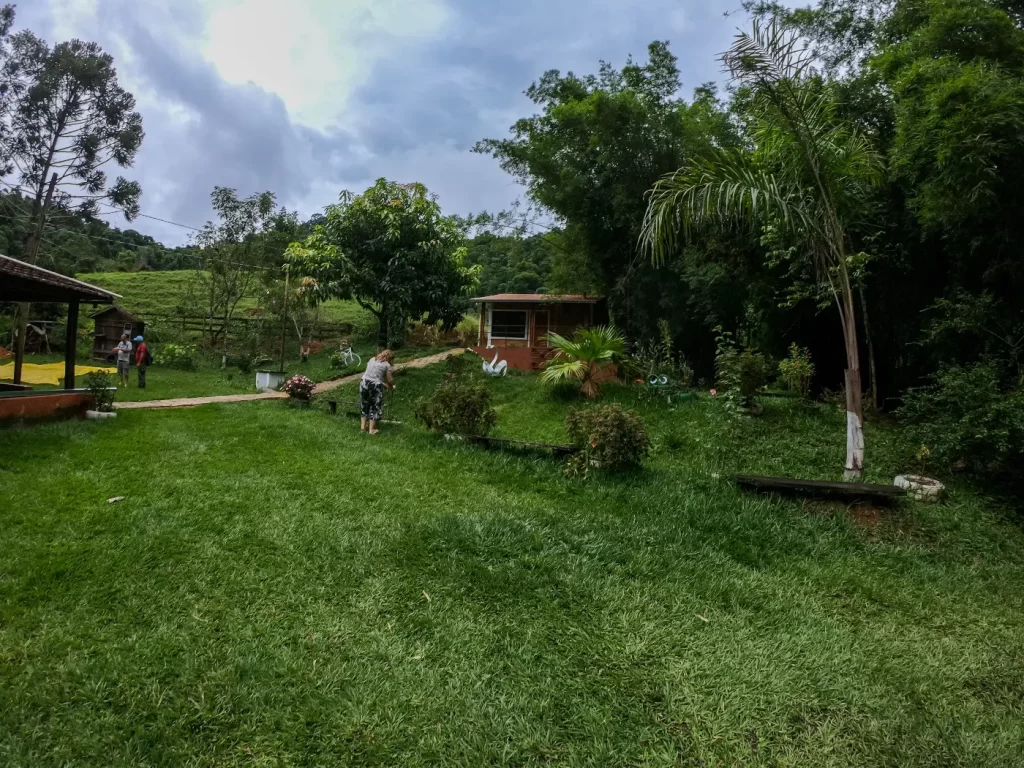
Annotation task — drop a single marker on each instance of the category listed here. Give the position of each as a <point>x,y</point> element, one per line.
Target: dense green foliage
<point>461,404</point>
<point>591,155</point>
<point>968,419</point>
<point>64,115</point>
<point>608,436</point>
<point>931,87</point>
<point>277,588</point>
<point>101,386</point>
<point>796,371</point>
<point>73,243</point>
<point>512,264</point>
<point>583,359</point>
<point>392,251</point>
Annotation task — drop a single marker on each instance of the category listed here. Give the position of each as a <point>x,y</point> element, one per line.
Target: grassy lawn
<point>277,589</point>
<point>160,293</point>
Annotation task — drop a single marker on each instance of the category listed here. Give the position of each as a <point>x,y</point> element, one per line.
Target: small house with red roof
<point>515,326</point>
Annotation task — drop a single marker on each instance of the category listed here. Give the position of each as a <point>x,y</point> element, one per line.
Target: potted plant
<point>300,389</point>
<point>100,386</point>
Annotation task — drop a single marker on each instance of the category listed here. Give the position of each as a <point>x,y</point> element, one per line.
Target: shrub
<point>458,406</point>
<point>607,435</point>
<point>299,387</point>
<point>181,356</point>
<point>797,371</point>
<point>740,375</point>
<point>101,386</point>
<point>966,418</point>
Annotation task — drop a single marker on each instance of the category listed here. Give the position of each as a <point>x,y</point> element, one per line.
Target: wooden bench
<point>819,488</point>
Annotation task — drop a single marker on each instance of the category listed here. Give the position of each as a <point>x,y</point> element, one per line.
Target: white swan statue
<point>494,368</point>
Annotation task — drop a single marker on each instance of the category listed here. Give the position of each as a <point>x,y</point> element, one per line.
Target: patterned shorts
<point>371,400</point>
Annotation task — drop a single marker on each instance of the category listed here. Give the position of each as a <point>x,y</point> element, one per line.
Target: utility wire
<point>187,253</point>
<point>116,210</point>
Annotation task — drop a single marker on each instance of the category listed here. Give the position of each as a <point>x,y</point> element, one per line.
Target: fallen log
<point>501,442</point>
<point>820,488</point>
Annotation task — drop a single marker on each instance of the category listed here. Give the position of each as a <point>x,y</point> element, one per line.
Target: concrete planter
<point>269,381</point>
<point>921,488</point>
<point>100,415</point>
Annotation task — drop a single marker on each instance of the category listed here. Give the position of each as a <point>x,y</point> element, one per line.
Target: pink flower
<point>714,393</point>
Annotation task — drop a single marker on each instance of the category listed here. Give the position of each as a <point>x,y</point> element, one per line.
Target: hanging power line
<point>185,253</point>
<point>15,187</point>
<point>154,218</point>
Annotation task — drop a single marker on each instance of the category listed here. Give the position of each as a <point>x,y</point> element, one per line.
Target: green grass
<point>277,589</point>
<point>160,293</point>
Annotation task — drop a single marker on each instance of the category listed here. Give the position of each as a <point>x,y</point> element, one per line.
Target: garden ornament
<point>495,368</point>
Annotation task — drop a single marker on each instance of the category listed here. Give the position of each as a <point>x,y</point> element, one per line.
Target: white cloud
<point>313,53</point>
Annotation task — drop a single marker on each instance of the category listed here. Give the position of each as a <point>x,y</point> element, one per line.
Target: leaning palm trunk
<point>809,173</point>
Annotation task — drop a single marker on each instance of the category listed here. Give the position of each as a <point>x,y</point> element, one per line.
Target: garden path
<point>326,386</point>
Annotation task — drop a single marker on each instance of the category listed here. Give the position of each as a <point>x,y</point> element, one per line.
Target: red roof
<point>540,297</point>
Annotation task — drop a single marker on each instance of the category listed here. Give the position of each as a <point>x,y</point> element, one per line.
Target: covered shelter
<point>111,322</point>
<point>23,282</point>
<point>515,326</point>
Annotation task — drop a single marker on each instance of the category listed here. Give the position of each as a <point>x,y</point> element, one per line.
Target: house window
<point>509,324</point>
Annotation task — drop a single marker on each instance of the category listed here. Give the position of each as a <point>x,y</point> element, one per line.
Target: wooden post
<point>284,316</point>
<point>483,324</point>
<point>31,252</point>
<point>71,345</point>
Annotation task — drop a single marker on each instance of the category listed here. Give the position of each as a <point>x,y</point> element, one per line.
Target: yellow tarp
<point>48,373</point>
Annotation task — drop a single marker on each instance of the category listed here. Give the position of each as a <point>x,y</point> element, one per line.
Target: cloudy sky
<point>309,97</point>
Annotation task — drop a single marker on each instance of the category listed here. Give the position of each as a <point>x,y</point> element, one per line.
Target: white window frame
<point>490,326</point>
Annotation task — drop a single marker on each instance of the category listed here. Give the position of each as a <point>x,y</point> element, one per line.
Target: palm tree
<point>583,357</point>
<point>808,171</point>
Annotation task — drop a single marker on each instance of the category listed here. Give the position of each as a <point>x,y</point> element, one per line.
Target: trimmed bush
<point>609,436</point>
<point>101,386</point>
<point>458,406</point>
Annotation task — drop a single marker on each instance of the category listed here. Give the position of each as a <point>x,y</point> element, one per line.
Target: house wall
<point>44,405</point>
<point>530,354</point>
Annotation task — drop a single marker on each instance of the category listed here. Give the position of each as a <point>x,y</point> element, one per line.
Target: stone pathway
<point>326,386</point>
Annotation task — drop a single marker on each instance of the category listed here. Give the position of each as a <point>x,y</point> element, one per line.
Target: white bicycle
<point>350,358</point>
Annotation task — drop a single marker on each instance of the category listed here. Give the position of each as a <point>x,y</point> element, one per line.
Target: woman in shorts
<point>371,390</point>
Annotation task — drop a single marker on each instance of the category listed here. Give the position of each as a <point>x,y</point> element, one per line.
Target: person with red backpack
<point>143,359</point>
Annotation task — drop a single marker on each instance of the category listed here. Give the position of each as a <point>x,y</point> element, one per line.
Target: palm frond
<point>729,189</point>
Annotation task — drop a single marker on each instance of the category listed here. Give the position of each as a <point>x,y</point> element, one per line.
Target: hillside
<point>163,293</point>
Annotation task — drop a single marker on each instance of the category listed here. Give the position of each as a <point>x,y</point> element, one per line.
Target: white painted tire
<point>100,415</point>
<point>921,488</point>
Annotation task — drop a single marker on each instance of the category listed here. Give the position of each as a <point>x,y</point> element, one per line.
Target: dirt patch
<point>865,516</point>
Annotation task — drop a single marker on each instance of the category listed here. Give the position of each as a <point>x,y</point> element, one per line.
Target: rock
<point>101,414</point>
<point>921,488</point>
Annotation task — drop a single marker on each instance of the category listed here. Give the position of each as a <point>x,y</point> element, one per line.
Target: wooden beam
<point>71,345</point>
<point>819,488</point>
<point>19,342</point>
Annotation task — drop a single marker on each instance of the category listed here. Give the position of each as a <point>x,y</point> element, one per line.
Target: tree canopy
<point>393,251</point>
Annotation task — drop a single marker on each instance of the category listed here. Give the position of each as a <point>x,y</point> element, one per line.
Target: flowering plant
<point>299,387</point>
